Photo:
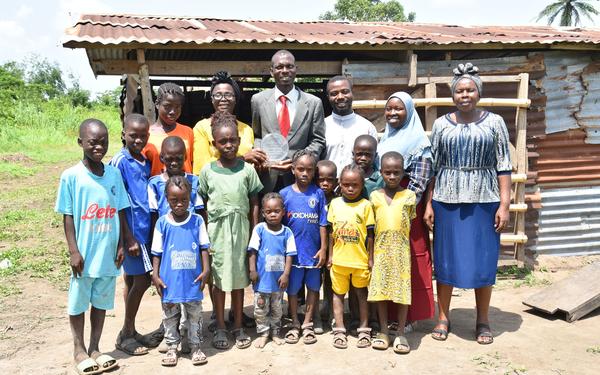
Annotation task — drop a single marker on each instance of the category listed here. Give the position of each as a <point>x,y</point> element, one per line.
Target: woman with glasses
<point>225,96</point>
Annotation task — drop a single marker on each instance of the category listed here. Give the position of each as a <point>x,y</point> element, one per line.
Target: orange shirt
<point>152,149</point>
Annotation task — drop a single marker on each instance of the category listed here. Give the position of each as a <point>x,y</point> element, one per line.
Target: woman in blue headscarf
<point>404,133</point>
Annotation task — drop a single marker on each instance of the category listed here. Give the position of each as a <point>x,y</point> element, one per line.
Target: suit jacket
<point>307,130</point>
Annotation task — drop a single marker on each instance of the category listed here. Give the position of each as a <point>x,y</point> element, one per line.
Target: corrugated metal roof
<point>106,29</point>
<point>569,222</point>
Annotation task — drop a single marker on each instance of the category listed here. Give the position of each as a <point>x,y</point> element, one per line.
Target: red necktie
<point>284,117</point>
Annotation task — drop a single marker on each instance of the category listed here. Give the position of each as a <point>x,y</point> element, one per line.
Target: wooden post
<point>149,111</point>
<point>521,164</point>
<point>430,111</point>
<point>412,68</point>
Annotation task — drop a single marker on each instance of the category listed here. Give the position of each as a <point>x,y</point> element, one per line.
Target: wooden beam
<point>425,80</point>
<point>412,69</point>
<point>430,111</point>
<point>445,102</point>
<point>521,163</point>
<point>148,104</point>
<point>208,68</point>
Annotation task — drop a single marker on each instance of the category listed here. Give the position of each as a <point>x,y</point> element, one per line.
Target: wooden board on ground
<point>577,295</point>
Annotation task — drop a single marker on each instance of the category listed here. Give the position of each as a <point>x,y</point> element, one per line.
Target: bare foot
<point>261,341</point>
<point>277,339</point>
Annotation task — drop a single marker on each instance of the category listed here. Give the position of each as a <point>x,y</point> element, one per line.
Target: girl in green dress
<point>230,189</point>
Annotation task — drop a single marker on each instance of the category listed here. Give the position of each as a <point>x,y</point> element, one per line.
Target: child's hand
<point>133,249</point>
<point>370,263</point>
<point>253,277</point>
<point>202,278</point>
<point>120,256</point>
<point>283,281</point>
<point>428,216</point>
<point>76,264</point>
<point>329,264</point>
<point>322,258</point>
<point>159,284</point>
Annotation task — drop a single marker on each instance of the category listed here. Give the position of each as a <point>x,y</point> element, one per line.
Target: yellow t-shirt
<point>205,152</point>
<point>350,221</point>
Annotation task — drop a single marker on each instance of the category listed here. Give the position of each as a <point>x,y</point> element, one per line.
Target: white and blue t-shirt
<point>94,202</point>
<point>179,246</point>
<point>272,248</point>
<point>158,199</point>
<point>305,214</point>
<point>135,176</point>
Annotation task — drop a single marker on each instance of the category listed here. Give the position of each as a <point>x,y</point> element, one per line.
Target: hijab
<point>409,139</point>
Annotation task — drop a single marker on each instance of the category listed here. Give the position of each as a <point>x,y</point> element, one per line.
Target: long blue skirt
<point>465,244</point>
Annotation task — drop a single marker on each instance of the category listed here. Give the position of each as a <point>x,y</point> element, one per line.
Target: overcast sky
<point>37,26</point>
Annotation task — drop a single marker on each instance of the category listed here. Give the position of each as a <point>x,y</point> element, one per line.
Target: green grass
<point>518,277</point>
<point>593,349</point>
<point>33,152</point>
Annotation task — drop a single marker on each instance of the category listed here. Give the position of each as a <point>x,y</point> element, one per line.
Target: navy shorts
<point>138,265</point>
<point>311,277</point>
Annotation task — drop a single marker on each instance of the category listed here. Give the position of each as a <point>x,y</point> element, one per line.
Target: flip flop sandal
<point>152,339</point>
<point>364,337</point>
<point>308,334</point>
<point>170,359</point>
<point>198,357</point>
<point>381,341</point>
<point>242,340</point>
<point>483,330</point>
<point>442,334</point>
<point>292,336</point>
<point>87,367</point>
<point>105,362</point>
<point>340,340</point>
<point>220,340</point>
<point>401,345</point>
<point>130,346</point>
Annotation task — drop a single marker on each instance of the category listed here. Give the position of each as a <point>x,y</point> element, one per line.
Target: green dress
<point>227,191</point>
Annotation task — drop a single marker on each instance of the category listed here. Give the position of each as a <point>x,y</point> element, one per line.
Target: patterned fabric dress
<point>390,278</point>
<point>468,158</point>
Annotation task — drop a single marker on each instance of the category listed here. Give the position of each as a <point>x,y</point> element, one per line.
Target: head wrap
<point>409,139</point>
<point>468,71</point>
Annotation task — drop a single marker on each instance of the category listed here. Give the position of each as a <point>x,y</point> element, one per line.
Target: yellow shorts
<point>341,276</point>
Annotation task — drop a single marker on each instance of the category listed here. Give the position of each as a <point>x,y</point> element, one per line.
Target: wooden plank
<point>446,102</point>
<point>577,295</point>
<point>148,104</point>
<point>521,163</point>
<point>208,68</point>
<point>510,238</point>
<point>412,69</point>
<point>430,111</point>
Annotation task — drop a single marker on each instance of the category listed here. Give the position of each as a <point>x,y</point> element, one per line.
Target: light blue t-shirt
<point>94,202</point>
<point>272,248</point>
<point>135,176</point>
<point>179,246</point>
<point>305,214</point>
<point>158,199</point>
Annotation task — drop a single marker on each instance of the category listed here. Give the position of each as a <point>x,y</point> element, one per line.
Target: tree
<point>570,12</point>
<point>369,11</point>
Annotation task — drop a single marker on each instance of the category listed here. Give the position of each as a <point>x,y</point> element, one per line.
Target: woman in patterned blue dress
<point>469,200</point>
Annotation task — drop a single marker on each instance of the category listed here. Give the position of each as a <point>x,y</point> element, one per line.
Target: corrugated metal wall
<point>569,222</point>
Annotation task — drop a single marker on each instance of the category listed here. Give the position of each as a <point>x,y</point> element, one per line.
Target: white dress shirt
<point>340,134</point>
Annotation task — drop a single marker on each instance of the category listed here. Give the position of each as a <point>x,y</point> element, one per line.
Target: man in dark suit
<point>287,110</point>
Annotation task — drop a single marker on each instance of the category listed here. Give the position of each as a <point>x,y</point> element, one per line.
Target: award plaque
<point>275,146</point>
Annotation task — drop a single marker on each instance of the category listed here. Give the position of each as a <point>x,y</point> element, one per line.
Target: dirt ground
<point>35,339</point>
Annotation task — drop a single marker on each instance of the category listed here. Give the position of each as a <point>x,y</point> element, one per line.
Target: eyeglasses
<point>227,95</point>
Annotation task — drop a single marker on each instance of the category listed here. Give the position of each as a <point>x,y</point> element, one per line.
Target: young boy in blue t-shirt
<point>271,249</point>
<point>172,155</point>
<point>135,171</point>
<point>92,199</point>
<point>306,216</point>
<point>181,269</point>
